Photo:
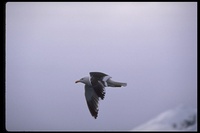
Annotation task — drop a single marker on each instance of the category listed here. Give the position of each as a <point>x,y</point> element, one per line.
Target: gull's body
<point>94,89</point>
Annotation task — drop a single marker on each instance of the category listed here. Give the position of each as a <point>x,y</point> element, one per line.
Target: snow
<point>182,118</point>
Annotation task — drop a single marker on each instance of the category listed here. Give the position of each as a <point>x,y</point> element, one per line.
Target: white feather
<point>105,80</point>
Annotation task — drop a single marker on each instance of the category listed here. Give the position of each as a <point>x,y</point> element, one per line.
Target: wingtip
<point>95,116</point>
<point>124,84</point>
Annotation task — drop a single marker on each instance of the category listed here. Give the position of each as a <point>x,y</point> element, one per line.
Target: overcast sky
<point>150,46</point>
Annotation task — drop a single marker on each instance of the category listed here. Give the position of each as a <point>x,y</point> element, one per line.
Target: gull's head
<point>84,80</point>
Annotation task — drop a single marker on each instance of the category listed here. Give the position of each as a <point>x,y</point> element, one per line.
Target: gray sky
<point>151,46</point>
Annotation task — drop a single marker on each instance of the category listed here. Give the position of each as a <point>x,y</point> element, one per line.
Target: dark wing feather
<point>98,75</point>
<point>98,87</point>
<point>97,83</point>
<point>92,100</point>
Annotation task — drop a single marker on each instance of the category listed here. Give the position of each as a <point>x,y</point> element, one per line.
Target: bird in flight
<point>95,89</point>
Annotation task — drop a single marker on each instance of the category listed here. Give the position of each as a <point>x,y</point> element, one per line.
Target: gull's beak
<point>77,81</point>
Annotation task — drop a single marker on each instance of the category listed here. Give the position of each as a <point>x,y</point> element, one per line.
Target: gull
<point>95,89</point>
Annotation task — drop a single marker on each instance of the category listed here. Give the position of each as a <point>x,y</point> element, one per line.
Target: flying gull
<point>94,89</point>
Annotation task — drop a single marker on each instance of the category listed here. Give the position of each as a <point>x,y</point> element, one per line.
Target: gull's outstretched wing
<point>92,100</point>
<point>97,83</point>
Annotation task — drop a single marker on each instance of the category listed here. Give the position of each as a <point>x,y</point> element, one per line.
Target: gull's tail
<point>112,83</point>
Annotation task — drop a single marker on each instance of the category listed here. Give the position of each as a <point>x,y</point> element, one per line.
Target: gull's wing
<point>92,100</point>
<point>98,75</point>
<point>98,81</point>
<point>104,80</point>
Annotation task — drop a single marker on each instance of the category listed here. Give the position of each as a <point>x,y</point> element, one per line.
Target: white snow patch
<point>181,118</point>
